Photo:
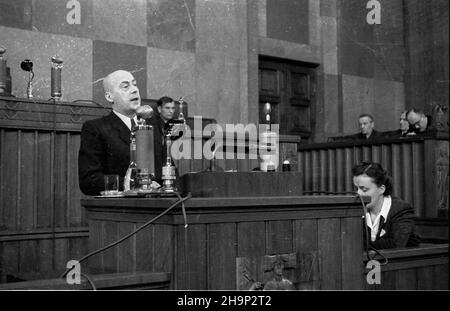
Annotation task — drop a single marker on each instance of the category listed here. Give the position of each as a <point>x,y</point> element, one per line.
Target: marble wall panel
<point>56,16</point>
<point>383,99</point>
<point>171,24</point>
<point>262,18</point>
<point>331,96</point>
<point>357,53</point>
<point>389,43</point>
<point>288,20</point>
<point>328,8</point>
<point>218,87</point>
<point>172,73</point>
<point>314,23</point>
<point>39,48</point>
<point>389,103</point>
<point>289,50</point>
<point>17,13</point>
<point>357,96</point>
<point>218,27</point>
<point>121,21</point>
<point>329,45</point>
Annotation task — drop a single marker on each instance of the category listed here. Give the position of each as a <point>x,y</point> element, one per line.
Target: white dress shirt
<point>125,119</point>
<point>374,227</point>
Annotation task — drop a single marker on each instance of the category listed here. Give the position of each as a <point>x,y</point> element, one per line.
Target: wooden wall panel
<point>192,265</point>
<point>109,234</point>
<point>329,238</point>
<point>126,250</point>
<point>425,278</point>
<point>145,253</point>
<point>61,186</point>
<point>95,242</point>
<point>279,237</point>
<point>441,277</point>
<point>76,214</point>
<point>251,239</point>
<point>44,192</point>
<point>418,177</point>
<point>163,254</point>
<point>406,279</point>
<point>351,265</point>
<point>222,251</point>
<point>305,241</point>
<point>26,186</point>
<point>10,178</point>
<point>406,173</point>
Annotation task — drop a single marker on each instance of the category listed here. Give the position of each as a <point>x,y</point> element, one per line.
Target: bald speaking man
<point>105,142</point>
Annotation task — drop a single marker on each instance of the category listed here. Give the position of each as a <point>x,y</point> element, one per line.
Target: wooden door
<point>290,89</point>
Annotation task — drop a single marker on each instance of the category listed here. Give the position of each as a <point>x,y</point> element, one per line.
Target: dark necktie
<point>133,124</point>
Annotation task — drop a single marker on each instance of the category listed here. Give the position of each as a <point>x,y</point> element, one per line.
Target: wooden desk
<point>418,268</point>
<point>203,256</point>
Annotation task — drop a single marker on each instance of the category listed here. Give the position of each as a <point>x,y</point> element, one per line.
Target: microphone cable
<point>180,201</point>
<point>367,243</point>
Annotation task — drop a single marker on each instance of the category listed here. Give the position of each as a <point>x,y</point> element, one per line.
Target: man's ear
<point>108,96</point>
<point>383,188</point>
<point>159,109</point>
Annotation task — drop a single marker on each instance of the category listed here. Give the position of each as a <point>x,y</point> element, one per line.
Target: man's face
<point>365,125</point>
<point>417,121</point>
<point>166,111</point>
<point>404,124</point>
<point>123,92</point>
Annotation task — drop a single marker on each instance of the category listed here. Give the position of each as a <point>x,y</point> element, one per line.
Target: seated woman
<point>389,220</point>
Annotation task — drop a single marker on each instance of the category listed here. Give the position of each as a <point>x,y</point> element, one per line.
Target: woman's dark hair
<point>376,172</point>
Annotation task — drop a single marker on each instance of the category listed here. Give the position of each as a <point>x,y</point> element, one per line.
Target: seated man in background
<point>367,128</point>
<point>105,142</point>
<point>161,124</point>
<point>420,122</point>
<point>405,130</point>
<point>389,221</point>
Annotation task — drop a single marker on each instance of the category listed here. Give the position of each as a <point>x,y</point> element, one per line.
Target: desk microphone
<point>144,112</point>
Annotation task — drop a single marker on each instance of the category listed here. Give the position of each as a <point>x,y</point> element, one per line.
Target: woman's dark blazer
<point>397,230</point>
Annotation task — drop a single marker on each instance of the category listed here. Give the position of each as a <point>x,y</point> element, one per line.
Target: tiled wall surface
<point>207,51</point>
<point>153,39</point>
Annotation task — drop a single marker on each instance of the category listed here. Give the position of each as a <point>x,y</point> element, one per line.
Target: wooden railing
<point>42,225</point>
<point>418,165</point>
<point>115,281</point>
<point>420,268</point>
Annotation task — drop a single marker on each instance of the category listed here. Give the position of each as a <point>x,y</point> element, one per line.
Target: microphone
<point>144,112</point>
<point>27,65</point>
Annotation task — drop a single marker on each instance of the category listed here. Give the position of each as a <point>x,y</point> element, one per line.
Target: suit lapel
<point>120,127</point>
<point>380,227</point>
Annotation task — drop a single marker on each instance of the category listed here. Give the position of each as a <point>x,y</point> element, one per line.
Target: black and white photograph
<point>224,154</point>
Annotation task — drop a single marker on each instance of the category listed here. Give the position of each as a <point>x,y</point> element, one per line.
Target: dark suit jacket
<point>399,227</point>
<point>399,133</point>
<point>104,149</point>
<point>430,130</point>
<point>375,134</point>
